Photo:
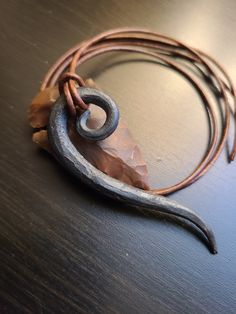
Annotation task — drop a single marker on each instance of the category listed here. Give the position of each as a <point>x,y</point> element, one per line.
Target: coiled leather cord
<point>170,52</point>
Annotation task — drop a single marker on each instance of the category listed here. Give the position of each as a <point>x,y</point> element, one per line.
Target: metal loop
<point>103,101</point>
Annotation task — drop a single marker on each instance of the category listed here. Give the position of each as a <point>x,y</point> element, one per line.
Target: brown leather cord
<point>169,52</point>
<point>73,101</point>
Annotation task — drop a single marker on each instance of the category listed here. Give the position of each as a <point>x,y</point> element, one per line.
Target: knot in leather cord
<point>73,99</point>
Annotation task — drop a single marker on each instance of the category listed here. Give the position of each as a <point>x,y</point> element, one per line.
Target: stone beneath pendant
<point>40,107</point>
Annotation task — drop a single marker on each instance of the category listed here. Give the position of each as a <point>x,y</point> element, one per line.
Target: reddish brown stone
<point>40,107</point>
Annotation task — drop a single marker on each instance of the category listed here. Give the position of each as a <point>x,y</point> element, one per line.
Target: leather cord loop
<point>66,82</point>
<point>170,52</point>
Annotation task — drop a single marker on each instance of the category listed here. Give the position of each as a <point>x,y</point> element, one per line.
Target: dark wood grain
<point>64,248</point>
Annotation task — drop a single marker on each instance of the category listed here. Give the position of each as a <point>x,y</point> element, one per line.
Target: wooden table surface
<point>63,247</point>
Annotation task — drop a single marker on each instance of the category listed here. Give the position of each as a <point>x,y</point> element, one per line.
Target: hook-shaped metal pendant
<point>71,159</point>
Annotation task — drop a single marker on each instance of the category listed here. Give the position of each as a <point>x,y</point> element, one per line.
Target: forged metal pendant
<point>71,159</point>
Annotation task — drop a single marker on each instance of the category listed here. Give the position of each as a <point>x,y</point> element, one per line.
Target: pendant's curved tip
<point>212,243</point>
<point>213,247</point>
<point>187,214</point>
<point>209,235</point>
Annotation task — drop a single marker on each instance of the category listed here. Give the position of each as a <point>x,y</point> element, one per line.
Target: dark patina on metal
<point>71,159</point>
<point>112,115</point>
